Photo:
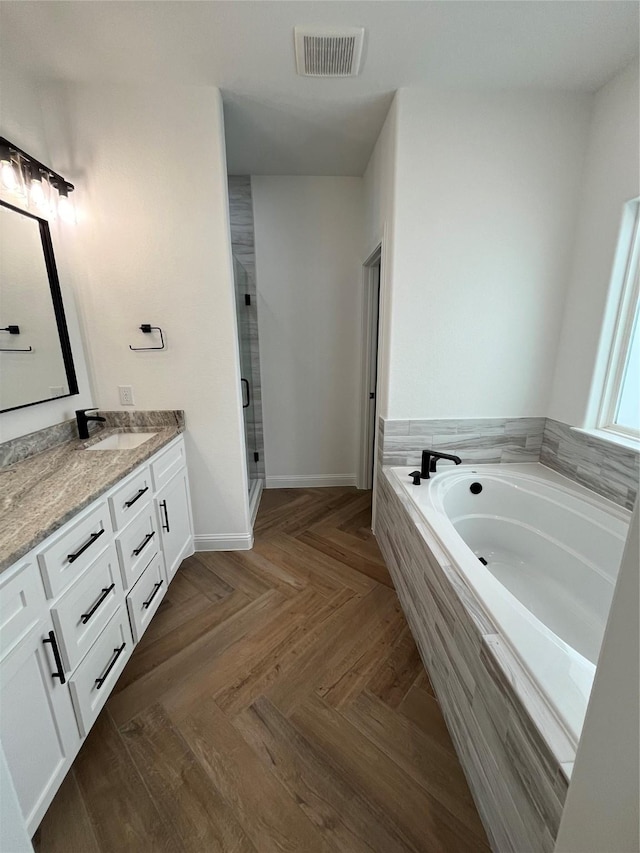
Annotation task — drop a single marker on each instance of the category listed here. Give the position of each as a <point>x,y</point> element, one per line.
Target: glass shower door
<point>243,317</point>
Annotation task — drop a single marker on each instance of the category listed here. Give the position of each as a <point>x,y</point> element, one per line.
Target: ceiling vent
<point>328,53</point>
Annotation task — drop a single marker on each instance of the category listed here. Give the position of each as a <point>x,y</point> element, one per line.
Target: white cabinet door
<point>174,518</point>
<point>38,727</point>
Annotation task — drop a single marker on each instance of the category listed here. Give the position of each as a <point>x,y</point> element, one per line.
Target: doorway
<point>369,386</point>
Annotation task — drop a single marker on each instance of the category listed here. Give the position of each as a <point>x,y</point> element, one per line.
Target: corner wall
<point>23,122</point>
<point>602,813</point>
<point>610,178</point>
<point>485,204</point>
<point>157,247</point>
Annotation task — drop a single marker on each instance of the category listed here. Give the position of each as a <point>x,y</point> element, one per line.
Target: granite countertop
<point>41,492</point>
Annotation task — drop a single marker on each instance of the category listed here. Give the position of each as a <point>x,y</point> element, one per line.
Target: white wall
<point>23,123</point>
<point>602,810</point>
<point>156,240</point>
<point>485,203</point>
<point>309,258</point>
<point>610,178</point>
<point>379,228</point>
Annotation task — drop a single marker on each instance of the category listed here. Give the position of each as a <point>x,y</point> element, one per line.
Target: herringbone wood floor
<point>276,703</point>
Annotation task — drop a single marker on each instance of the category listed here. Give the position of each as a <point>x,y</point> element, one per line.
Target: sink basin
<point>122,441</point>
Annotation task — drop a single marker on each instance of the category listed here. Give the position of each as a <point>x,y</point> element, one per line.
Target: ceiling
<point>279,123</point>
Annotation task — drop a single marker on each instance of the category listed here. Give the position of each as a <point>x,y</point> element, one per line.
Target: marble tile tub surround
<point>478,440</point>
<point>243,246</point>
<point>609,469</point>
<point>516,756</point>
<point>604,467</point>
<point>43,490</point>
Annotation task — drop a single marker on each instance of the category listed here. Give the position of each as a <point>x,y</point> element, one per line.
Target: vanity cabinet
<point>37,722</point>
<point>71,612</point>
<point>174,519</point>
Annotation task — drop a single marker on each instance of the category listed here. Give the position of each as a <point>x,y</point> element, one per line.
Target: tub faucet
<point>430,459</point>
<point>82,419</point>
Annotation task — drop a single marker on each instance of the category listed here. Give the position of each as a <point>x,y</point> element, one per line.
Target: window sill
<point>611,437</point>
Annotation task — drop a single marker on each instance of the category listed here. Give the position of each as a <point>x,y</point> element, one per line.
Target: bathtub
<point>541,555</point>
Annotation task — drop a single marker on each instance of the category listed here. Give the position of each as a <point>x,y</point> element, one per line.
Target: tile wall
<point>611,470</point>
<point>607,468</point>
<point>243,247</point>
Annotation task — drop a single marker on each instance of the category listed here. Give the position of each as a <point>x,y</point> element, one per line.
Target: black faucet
<point>82,419</point>
<point>429,460</point>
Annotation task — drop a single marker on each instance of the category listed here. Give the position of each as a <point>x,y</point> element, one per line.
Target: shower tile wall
<point>243,246</point>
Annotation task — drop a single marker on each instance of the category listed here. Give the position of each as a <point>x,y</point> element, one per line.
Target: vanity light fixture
<point>45,189</point>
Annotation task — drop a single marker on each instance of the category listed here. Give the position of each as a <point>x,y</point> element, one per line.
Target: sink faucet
<point>429,460</point>
<point>82,419</point>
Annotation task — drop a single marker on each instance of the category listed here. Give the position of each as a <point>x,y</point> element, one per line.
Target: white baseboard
<point>222,542</point>
<point>254,500</point>
<point>304,481</point>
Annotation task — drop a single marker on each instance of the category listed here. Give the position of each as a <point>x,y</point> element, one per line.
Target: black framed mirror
<point>36,362</point>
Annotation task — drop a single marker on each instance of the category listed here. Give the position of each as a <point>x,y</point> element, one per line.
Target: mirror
<point>35,354</point>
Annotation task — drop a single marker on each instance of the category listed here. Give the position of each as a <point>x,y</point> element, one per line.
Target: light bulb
<point>66,210</point>
<point>38,192</point>
<point>10,171</point>
<point>8,175</point>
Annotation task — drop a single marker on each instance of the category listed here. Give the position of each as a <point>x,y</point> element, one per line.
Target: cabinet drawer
<point>94,679</point>
<point>69,554</point>
<point>136,545</point>
<point>168,464</point>
<point>130,497</point>
<point>22,604</point>
<point>145,597</point>
<point>83,611</point>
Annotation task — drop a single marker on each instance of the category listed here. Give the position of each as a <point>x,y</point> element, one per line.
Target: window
<point>620,405</point>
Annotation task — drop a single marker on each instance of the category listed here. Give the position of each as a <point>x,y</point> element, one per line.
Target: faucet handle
<point>416,477</point>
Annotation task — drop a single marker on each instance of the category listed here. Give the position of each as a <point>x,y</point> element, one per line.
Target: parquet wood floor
<point>276,703</point>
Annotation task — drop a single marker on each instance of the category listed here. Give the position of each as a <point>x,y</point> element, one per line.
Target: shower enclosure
<point>246,315</point>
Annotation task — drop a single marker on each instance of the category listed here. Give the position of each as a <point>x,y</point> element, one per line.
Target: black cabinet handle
<point>144,543</point>
<point>117,652</point>
<point>87,544</point>
<point>56,656</point>
<point>84,618</point>
<point>156,587</point>
<point>136,497</point>
<point>165,523</point>
<point>245,382</point>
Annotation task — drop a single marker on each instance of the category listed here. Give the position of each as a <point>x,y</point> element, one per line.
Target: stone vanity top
<point>40,492</point>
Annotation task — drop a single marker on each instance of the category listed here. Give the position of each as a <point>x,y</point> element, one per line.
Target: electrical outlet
<point>126,395</point>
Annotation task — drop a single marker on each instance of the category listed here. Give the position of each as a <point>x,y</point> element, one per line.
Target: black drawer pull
<point>136,497</point>
<point>165,523</point>
<point>144,543</point>
<point>117,652</point>
<point>89,542</point>
<point>56,656</point>
<point>84,618</point>
<point>156,587</point>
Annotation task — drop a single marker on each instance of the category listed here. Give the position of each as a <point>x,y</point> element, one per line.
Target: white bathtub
<point>552,551</point>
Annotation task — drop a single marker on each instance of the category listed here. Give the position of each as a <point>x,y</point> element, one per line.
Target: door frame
<point>370,296</point>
